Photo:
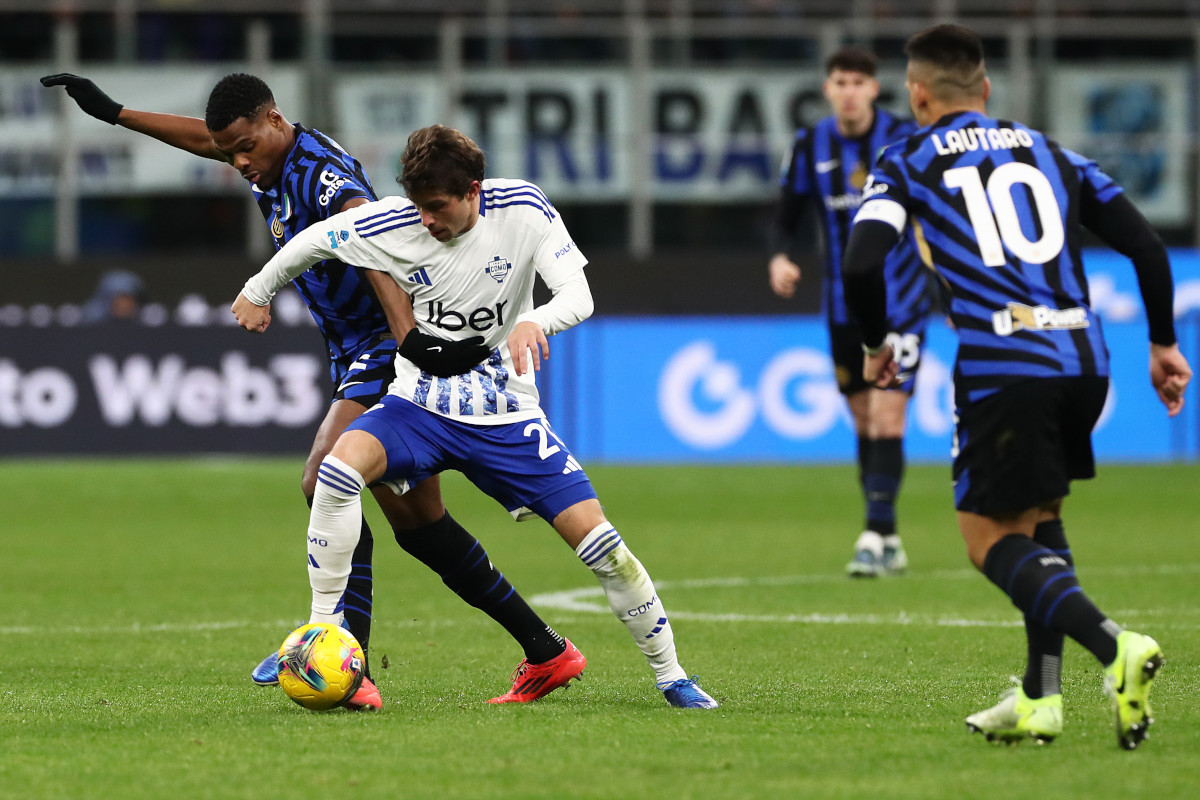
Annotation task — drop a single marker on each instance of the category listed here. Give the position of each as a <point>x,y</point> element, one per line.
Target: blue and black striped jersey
<point>832,169</point>
<point>999,206</point>
<point>318,178</point>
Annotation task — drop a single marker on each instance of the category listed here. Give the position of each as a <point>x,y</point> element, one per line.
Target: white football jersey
<point>477,284</point>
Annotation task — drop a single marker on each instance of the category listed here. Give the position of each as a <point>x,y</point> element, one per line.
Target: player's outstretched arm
<point>317,242</point>
<point>1169,373</point>
<point>185,133</point>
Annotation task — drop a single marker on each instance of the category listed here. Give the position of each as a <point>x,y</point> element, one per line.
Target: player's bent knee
<point>575,522</point>
<point>363,452</point>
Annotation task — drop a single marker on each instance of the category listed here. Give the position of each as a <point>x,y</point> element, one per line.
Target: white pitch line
<point>590,600</point>
<point>279,626</point>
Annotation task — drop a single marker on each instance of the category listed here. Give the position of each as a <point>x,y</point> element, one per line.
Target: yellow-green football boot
<point>1017,717</point>
<point>1127,681</point>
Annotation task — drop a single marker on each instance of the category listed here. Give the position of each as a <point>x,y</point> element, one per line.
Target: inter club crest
<point>498,268</point>
<point>283,212</point>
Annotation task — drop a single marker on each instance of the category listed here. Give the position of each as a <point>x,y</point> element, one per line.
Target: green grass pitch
<point>139,594</point>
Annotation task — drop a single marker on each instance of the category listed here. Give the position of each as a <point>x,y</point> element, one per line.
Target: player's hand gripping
<point>880,368</point>
<point>87,95</point>
<point>1169,373</point>
<point>528,341</point>
<point>253,318</point>
<point>444,358</point>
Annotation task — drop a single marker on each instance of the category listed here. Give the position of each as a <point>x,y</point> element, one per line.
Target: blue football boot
<point>686,693</point>
<point>267,672</point>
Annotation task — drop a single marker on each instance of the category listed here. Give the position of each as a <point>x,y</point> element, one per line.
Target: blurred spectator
<point>118,298</point>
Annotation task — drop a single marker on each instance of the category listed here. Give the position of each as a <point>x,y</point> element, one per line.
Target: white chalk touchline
<point>590,600</point>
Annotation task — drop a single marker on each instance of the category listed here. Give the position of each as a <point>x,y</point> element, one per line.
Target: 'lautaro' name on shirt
<point>961,141</point>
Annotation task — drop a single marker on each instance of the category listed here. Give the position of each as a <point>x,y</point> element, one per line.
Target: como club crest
<point>498,268</point>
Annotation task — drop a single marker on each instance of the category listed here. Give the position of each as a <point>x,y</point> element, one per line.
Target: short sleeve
<point>331,186</point>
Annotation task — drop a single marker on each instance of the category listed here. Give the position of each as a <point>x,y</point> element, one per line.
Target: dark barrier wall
<point>677,282</point>
<point>116,389</point>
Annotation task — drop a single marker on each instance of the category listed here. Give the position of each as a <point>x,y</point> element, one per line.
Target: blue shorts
<point>518,464</point>
<point>367,378</point>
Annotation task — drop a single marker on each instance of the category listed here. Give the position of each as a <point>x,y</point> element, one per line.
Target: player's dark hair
<point>236,96</point>
<point>852,59</point>
<point>955,54</point>
<point>440,160</point>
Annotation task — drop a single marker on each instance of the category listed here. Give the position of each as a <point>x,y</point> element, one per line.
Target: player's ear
<point>987,88</point>
<point>473,190</point>
<point>918,96</point>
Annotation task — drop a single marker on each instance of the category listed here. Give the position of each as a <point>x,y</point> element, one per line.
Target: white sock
<point>632,598</point>
<point>333,530</point>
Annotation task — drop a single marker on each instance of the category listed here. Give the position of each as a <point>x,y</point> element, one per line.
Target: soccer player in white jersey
<point>467,250</point>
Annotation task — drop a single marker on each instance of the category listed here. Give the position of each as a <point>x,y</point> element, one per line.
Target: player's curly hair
<point>852,59</point>
<point>440,160</point>
<point>236,96</point>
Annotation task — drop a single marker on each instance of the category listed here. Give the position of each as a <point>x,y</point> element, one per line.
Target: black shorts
<point>845,346</point>
<point>367,378</point>
<point>1022,446</point>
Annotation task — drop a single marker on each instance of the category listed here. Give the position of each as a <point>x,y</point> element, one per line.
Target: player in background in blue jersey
<point>300,176</point>
<point>1001,206</point>
<point>827,166</point>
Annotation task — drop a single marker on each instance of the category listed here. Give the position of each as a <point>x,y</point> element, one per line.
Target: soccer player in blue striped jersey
<point>828,165</point>
<point>1001,206</point>
<point>300,176</point>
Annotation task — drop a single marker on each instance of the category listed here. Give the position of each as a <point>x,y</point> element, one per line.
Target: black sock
<point>360,587</point>
<point>881,483</point>
<point>1043,586</point>
<point>864,455</point>
<point>1043,669</point>
<point>458,557</point>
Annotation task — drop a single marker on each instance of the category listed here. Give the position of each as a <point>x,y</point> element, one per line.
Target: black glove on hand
<point>444,358</point>
<point>87,95</point>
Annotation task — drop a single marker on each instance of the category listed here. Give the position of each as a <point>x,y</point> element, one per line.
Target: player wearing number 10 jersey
<point>1001,207</point>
